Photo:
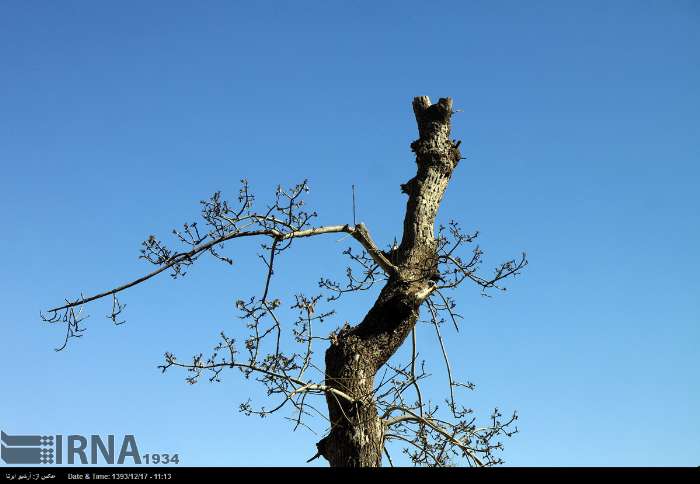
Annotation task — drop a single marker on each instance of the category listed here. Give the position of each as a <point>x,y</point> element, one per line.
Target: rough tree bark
<point>356,353</point>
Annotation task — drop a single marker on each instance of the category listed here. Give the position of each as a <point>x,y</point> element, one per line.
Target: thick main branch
<point>356,353</point>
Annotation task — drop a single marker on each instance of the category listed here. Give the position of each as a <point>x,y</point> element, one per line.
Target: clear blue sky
<point>581,131</point>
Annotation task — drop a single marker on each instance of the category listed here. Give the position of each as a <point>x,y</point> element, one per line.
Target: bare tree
<point>370,401</point>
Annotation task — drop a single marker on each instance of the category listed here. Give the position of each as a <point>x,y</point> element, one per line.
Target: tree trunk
<point>356,438</point>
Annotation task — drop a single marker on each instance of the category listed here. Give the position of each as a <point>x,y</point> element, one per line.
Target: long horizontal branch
<point>358,232</point>
<point>304,386</point>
